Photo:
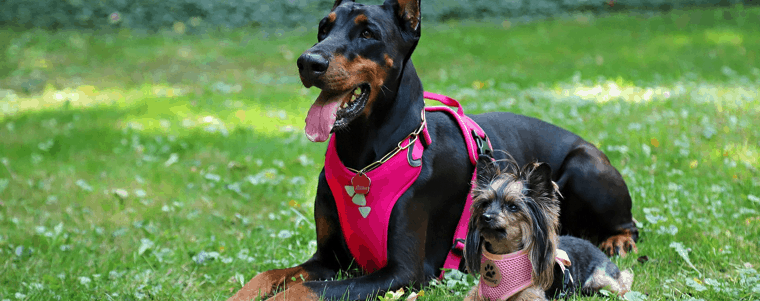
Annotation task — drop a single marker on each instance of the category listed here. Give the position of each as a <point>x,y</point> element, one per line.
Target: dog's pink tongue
<point>321,117</point>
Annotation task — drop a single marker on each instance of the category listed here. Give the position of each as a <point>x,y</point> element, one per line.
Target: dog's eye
<point>366,34</point>
<point>512,207</point>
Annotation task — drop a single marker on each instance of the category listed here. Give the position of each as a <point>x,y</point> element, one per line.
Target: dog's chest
<point>364,213</point>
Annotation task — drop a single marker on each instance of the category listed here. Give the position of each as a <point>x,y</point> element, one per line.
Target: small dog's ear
<point>540,179</point>
<point>543,245</point>
<point>541,174</point>
<point>487,170</point>
<point>339,2</point>
<point>472,247</point>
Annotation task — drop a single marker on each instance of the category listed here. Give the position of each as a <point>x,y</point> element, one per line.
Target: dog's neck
<point>394,116</point>
<point>503,247</point>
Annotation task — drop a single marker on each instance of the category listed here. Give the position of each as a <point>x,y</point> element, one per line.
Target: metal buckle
<point>482,143</point>
<point>455,250</point>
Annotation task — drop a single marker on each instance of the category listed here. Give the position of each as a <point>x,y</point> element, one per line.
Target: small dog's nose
<point>312,63</point>
<point>487,217</point>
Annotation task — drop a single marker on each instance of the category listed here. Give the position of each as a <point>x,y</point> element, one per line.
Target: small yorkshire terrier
<point>513,240</point>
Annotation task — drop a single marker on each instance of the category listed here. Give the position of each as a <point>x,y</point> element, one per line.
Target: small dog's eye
<point>366,34</point>
<point>512,207</point>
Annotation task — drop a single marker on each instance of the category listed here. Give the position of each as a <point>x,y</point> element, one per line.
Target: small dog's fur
<point>520,210</point>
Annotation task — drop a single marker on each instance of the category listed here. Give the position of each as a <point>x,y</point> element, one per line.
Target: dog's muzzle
<point>311,65</point>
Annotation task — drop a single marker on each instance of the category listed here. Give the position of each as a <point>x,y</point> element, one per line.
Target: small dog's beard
<point>500,242</point>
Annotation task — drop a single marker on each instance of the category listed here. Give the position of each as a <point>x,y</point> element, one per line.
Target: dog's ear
<point>541,185</point>
<point>487,170</point>
<point>540,176</point>
<point>339,2</point>
<point>543,245</point>
<point>472,247</point>
<point>408,12</point>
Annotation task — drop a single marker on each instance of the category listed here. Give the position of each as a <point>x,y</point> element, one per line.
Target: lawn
<point>169,166</point>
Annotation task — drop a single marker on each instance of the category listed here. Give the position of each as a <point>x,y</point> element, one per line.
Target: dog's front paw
<point>264,284</point>
<point>296,292</point>
<point>619,244</point>
<point>258,288</point>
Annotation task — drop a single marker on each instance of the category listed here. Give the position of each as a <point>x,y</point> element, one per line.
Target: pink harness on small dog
<point>364,217</point>
<point>502,276</point>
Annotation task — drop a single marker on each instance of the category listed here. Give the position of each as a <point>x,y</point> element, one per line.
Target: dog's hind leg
<point>626,281</point>
<point>596,203</point>
<point>609,277</point>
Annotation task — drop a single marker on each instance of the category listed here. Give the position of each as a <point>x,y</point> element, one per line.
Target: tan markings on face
<point>368,71</point>
<point>331,17</point>
<point>336,77</point>
<point>520,230</point>
<point>388,61</point>
<point>518,225</point>
<point>343,75</point>
<point>360,19</point>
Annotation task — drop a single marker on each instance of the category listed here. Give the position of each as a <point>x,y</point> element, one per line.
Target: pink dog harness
<point>365,200</point>
<point>502,276</point>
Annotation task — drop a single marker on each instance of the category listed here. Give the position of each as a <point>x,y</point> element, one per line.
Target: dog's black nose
<point>487,217</point>
<point>312,64</point>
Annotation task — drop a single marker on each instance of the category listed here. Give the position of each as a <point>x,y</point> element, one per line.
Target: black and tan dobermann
<point>371,99</point>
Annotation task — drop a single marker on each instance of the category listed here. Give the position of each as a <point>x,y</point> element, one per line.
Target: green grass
<point>172,167</point>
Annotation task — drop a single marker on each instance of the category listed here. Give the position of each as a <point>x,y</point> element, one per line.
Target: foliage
<point>195,15</point>
<point>173,167</point>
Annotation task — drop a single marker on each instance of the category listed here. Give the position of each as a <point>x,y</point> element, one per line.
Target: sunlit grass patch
<point>730,94</point>
<point>720,37</point>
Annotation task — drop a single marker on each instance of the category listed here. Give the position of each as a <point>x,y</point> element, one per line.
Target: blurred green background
<point>152,14</point>
<point>154,150</point>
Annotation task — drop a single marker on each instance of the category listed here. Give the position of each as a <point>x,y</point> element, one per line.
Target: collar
<point>502,276</point>
<point>412,137</point>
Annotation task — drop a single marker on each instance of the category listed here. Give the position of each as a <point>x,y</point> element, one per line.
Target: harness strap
<point>564,263</point>
<point>477,144</point>
<point>445,100</point>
